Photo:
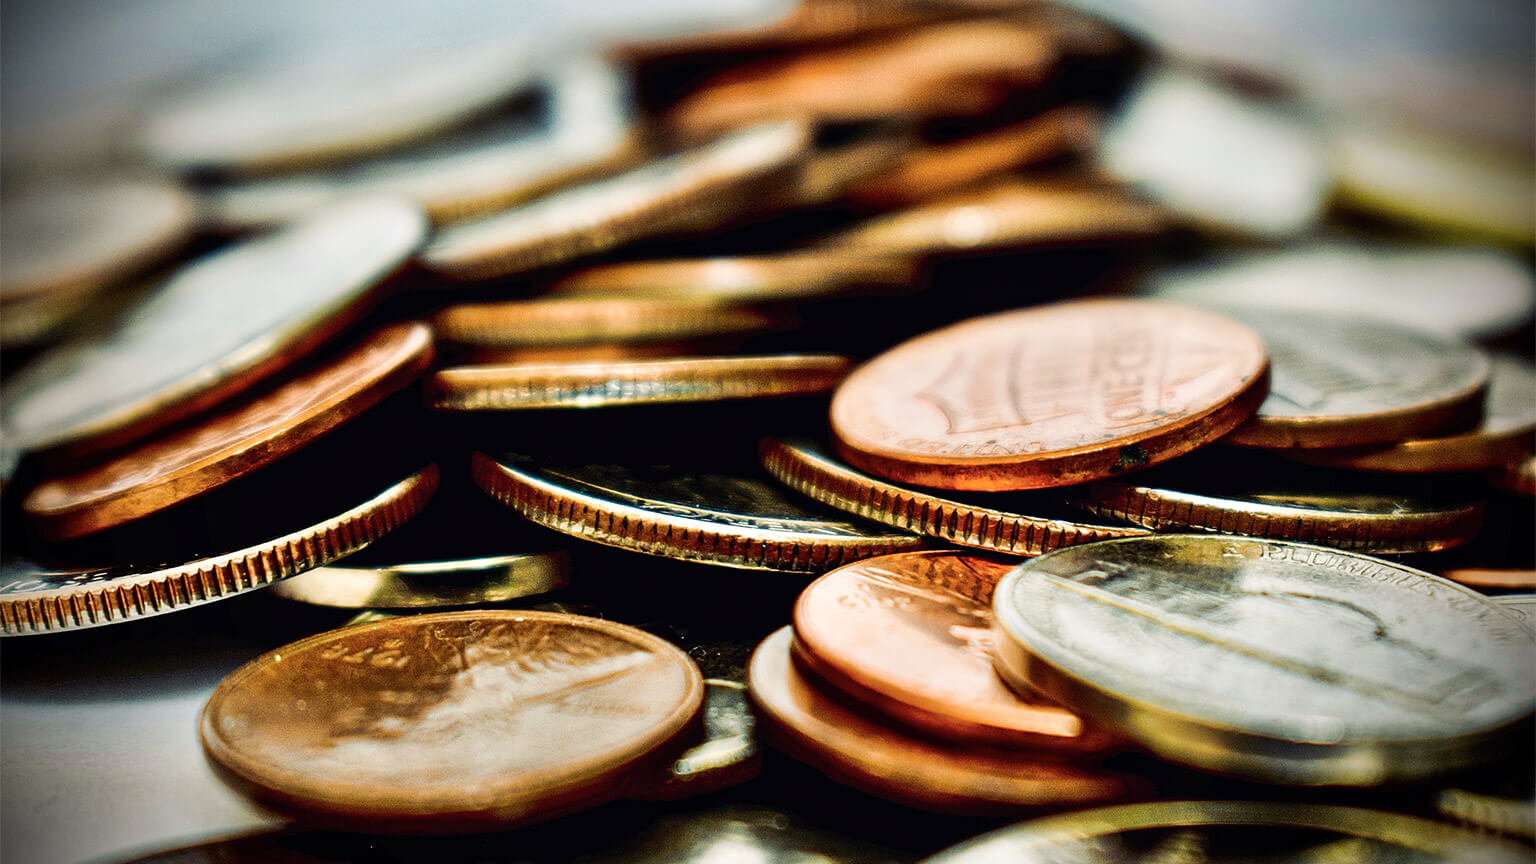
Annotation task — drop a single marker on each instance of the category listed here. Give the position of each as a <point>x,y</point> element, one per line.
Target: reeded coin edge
<point>141,595</point>
<point>579,320</point>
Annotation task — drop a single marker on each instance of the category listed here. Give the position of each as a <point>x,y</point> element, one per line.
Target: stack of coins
<point>762,435</point>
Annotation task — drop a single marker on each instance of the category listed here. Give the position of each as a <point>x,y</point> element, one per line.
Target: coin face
<point>1049,396</point>
<point>735,521</point>
<point>227,446</point>
<point>430,584</point>
<point>213,329</point>
<point>452,719</point>
<point>910,636</point>
<point>1522,605</point>
<point>1188,643</point>
<point>751,279</point>
<point>1336,383</point>
<point>859,750</point>
<point>584,320</point>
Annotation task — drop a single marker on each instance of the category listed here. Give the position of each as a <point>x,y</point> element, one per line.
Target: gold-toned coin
<point>582,320</point>
<point>1049,396</point>
<point>830,172</point>
<point>634,382</point>
<point>786,276</point>
<point>726,754</point>
<point>1508,816</point>
<point>1505,580</point>
<point>430,584</point>
<point>1214,832</point>
<point>37,600</point>
<point>1192,645</point>
<point>806,468</point>
<point>693,189</point>
<point>451,720</point>
<point>1522,605</point>
<point>1338,383</point>
<point>213,329</point>
<point>167,471</point>
<point>852,748</point>
<point>734,521</point>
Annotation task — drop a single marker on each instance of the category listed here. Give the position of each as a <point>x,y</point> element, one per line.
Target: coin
<point>582,320</point>
<point>1522,605</point>
<point>910,636</point>
<point>636,382</point>
<point>1227,831</point>
<point>1049,396</point>
<point>167,471</point>
<point>806,468</point>
<point>430,584</point>
<point>725,756</point>
<point>692,189</point>
<point>1480,577</point>
<point>36,599</point>
<point>858,750</point>
<point>785,276</point>
<point>1500,815</point>
<point>1519,478</point>
<point>734,521</point>
<point>1188,644</point>
<point>450,720</point>
<point>804,24</point>
<point>213,329</point>
<point>1337,383</point>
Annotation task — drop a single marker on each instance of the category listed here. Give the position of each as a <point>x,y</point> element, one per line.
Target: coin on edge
<point>726,755</point>
<point>430,584</point>
<point>852,748</point>
<point>797,275</point>
<point>587,319</point>
<point>451,720</point>
<point>1049,396</point>
<point>1508,816</point>
<point>38,600</point>
<point>1189,644</point>
<point>633,382</point>
<point>214,329</point>
<point>674,513</point>
<point>806,468</point>
<point>1508,580</point>
<point>910,636</point>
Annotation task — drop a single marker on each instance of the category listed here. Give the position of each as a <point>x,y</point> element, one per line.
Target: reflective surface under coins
<point>725,755</point>
<point>430,584</point>
<point>473,719</point>
<point>1190,645</point>
<point>1014,401</point>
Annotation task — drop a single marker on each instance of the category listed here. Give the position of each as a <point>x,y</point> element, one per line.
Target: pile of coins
<point>971,459</point>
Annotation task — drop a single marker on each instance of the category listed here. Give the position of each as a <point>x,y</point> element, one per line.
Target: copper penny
<point>580,320</point>
<point>910,635</point>
<point>863,752</point>
<point>170,470</point>
<point>1483,578</point>
<point>1519,477</point>
<point>1049,396</point>
<point>452,720</point>
<point>752,279</point>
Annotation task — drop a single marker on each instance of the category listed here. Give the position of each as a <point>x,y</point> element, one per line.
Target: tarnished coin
<point>430,584</point>
<point>795,715</point>
<point>76,239</point>
<point>910,636</point>
<point>724,756</point>
<point>784,276</point>
<point>806,468</point>
<point>634,382</point>
<point>1522,605</point>
<point>735,521</point>
<point>1507,816</point>
<point>1267,659</point>
<point>451,720</point>
<point>1337,383</point>
<point>1506,580</point>
<point>213,329</point>
<point>1228,832</point>
<point>37,599</point>
<point>1049,396</point>
<point>692,189</point>
<point>226,446</point>
<point>585,320</point>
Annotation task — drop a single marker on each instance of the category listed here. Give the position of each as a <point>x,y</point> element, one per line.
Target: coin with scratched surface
<point>735,521</point>
<point>1268,659</point>
<point>976,522</point>
<point>451,720</point>
<point>38,600</point>
<point>634,382</point>
<point>1229,832</point>
<point>865,753</point>
<point>726,753</point>
<point>1337,382</point>
<point>582,320</point>
<point>1049,396</point>
<point>430,584</point>
<point>213,329</point>
<point>795,275</point>
<point>910,636</point>
<point>1522,605</point>
<point>226,446</point>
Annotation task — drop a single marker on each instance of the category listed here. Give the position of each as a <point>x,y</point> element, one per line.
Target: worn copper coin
<point>735,521</point>
<point>1338,383</point>
<point>724,755</point>
<point>587,319</point>
<point>38,600</point>
<point>634,382</point>
<point>451,720</point>
<point>910,636</point>
<point>430,584</point>
<point>1049,396</point>
<point>1193,645</point>
<point>226,446</point>
<point>213,329</point>
<point>979,523</point>
<point>748,279</point>
<point>1482,577</point>
<point>859,750</point>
